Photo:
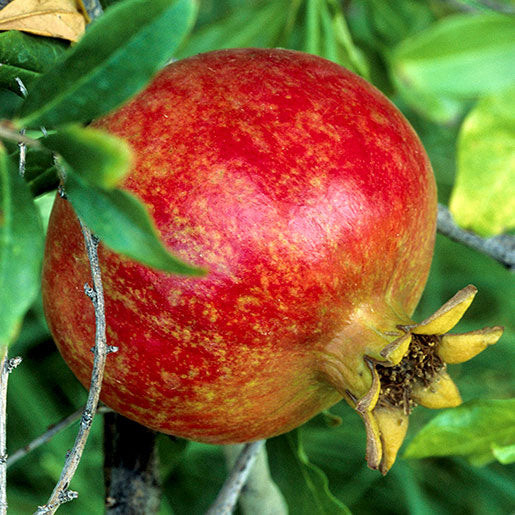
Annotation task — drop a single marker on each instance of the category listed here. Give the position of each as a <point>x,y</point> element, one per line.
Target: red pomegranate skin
<point>309,199</point>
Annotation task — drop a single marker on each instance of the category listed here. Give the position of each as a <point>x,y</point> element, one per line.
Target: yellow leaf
<point>63,19</point>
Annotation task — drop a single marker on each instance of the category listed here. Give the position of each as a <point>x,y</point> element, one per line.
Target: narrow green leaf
<point>461,56</point>
<point>247,26</point>
<point>304,486</point>
<point>115,58</point>
<point>21,249</point>
<point>356,58</point>
<point>394,21</point>
<point>483,198</point>
<point>312,44</point>
<point>122,222</point>
<point>472,429</point>
<point>98,157</point>
<point>25,56</point>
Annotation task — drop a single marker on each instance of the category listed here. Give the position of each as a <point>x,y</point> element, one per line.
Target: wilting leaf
<point>53,18</point>
<point>483,198</point>
<point>21,249</point>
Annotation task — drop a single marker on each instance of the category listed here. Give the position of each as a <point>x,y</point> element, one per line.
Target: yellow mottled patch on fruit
<point>247,303</point>
<point>379,118</point>
<point>210,312</point>
<point>170,380</point>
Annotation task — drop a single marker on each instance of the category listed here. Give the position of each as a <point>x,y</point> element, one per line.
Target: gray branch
<point>501,248</point>
<point>53,430</point>
<point>6,367</point>
<point>260,495</point>
<point>61,493</point>
<point>228,495</point>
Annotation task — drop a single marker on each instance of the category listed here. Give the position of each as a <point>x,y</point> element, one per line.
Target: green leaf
<point>436,108</point>
<point>115,58</point>
<point>473,429</point>
<point>98,157</point>
<point>484,192</point>
<point>40,172</point>
<point>337,39</point>
<point>247,26</point>
<point>461,56</point>
<point>505,454</point>
<point>21,249</point>
<point>122,222</point>
<point>394,21</point>
<point>9,101</point>
<point>313,29</point>
<point>304,486</point>
<point>10,75</point>
<point>25,56</point>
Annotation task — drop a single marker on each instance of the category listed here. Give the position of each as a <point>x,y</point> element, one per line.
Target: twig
<point>6,367</point>
<point>501,248</point>
<point>8,132</point>
<point>131,467</point>
<point>260,495</point>
<point>61,494</point>
<point>228,495</point>
<point>53,430</point>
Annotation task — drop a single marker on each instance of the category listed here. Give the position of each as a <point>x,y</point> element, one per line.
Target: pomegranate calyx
<point>412,372</point>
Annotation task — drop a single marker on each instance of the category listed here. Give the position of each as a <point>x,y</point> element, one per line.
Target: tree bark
<point>131,468</point>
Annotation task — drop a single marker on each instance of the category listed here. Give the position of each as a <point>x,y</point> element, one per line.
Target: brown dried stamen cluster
<point>420,364</point>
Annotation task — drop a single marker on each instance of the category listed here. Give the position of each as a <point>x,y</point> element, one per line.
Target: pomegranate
<point>310,200</point>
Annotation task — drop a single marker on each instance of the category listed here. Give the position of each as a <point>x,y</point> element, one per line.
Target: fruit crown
<point>409,369</point>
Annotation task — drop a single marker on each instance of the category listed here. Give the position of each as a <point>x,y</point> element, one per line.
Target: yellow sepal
<point>457,348</point>
<point>445,318</point>
<point>441,393</point>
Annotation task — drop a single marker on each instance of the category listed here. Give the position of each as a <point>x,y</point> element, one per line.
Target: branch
<point>501,248</point>
<point>131,467</point>
<point>61,494</point>
<point>52,430</point>
<point>8,132</point>
<point>228,495</point>
<point>6,367</point>
<point>260,495</point>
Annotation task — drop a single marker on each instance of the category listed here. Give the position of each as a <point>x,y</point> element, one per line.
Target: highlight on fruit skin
<point>311,201</point>
<point>409,370</point>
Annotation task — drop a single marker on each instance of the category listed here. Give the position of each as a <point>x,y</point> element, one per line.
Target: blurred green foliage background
<point>390,44</point>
